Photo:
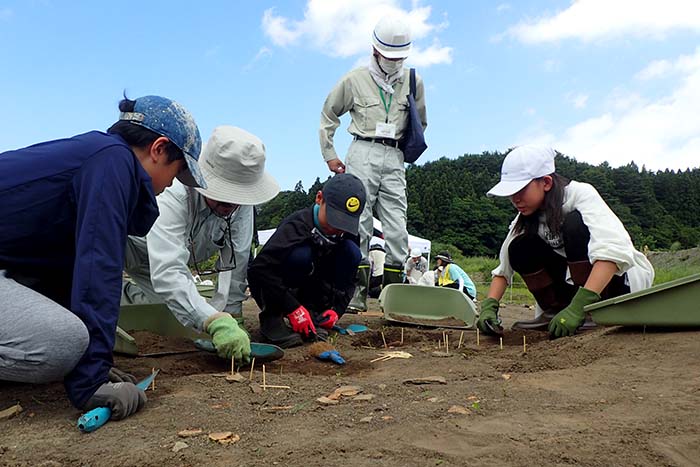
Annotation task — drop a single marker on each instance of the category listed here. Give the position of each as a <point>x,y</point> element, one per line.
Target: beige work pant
<point>382,171</point>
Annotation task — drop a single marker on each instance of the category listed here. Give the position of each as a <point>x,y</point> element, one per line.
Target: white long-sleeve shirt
<point>160,261</point>
<point>609,239</point>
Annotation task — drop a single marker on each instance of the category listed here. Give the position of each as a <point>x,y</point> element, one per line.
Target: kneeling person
<point>306,271</point>
<point>194,225</point>
<point>451,275</point>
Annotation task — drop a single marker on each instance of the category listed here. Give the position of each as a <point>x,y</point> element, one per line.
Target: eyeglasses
<point>219,266</point>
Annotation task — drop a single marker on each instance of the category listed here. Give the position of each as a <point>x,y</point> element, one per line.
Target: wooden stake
<point>461,337</point>
<point>384,340</point>
<point>153,383</point>
<point>477,337</point>
<point>524,345</point>
<point>233,365</point>
<point>280,370</point>
<point>273,386</point>
<point>501,339</point>
<point>264,384</point>
<point>401,336</point>
<point>252,365</point>
<point>447,343</point>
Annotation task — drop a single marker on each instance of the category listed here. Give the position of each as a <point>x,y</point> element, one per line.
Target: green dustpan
<point>427,306</point>
<point>262,353</point>
<point>158,319</point>
<point>672,304</point>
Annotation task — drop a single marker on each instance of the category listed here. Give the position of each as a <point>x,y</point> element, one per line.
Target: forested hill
<point>447,202</point>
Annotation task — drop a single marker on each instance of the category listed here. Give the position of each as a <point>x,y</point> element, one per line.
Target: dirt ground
<point>607,397</point>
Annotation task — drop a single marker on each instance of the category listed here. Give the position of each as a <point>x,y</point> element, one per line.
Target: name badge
<point>385,130</point>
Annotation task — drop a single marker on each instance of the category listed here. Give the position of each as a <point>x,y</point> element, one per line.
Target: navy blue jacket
<point>66,208</point>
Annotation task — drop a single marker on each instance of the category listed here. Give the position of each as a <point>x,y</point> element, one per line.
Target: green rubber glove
<point>489,312</point>
<point>568,320</point>
<point>229,340</point>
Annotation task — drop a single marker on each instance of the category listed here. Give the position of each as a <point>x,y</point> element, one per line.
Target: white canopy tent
<point>413,241</point>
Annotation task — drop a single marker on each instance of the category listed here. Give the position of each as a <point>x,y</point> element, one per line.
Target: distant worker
<point>194,225</point>
<point>376,97</point>
<point>416,265</point>
<point>451,275</point>
<point>377,256</point>
<point>67,208</point>
<point>566,243</point>
<point>306,270</point>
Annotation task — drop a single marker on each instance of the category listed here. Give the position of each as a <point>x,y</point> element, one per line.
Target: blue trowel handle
<point>92,420</point>
<point>333,356</point>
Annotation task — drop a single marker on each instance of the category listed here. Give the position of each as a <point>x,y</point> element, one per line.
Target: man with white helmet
<point>376,98</point>
<point>194,225</point>
<point>416,265</point>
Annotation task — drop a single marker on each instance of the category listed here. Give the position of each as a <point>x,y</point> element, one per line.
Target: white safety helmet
<point>416,253</point>
<point>392,38</point>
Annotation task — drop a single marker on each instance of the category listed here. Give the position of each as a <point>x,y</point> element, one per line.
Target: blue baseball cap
<point>168,118</point>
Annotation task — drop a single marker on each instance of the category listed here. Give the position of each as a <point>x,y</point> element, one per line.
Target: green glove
<point>229,340</point>
<point>489,312</point>
<point>567,321</point>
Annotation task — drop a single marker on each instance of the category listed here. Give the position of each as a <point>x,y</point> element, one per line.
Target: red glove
<point>300,319</point>
<point>328,319</point>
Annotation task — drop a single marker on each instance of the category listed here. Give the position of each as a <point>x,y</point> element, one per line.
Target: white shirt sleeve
<point>168,255</point>
<point>609,238</point>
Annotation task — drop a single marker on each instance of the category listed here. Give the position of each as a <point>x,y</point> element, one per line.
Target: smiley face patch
<point>352,204</point>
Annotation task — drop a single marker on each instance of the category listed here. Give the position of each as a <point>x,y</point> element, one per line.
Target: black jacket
<point>265,274</point>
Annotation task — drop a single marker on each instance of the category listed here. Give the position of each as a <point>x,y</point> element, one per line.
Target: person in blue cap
<point>68,206</point>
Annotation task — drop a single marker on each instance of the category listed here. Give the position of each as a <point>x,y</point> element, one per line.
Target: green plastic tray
<point>155,318</point>
<point>427,306</point>
<point>672,304</point>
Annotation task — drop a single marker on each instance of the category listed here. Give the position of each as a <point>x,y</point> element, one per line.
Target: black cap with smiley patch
<point>345,199</point>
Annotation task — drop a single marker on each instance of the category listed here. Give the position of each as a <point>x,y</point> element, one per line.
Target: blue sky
<point>601,80</point>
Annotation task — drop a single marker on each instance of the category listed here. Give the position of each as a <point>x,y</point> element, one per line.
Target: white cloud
<point>262,53</point>
<point>654,70</point>
<point>343,29</point>
<point>579,101</point>
<point>502,7</point>
<point>660,68</point>
<point>590,20</point>
<point>661,133</point>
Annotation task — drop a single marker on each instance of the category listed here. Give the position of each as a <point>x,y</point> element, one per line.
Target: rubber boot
<point>580,270</point>
<point>358,303</point>
<point>540,285</point>
<point>393,274</point>
<point>275,331</point>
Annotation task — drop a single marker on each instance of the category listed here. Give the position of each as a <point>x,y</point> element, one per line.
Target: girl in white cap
<point>566,243</point>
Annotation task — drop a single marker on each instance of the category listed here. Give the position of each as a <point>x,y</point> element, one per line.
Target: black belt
<point>394,143</point>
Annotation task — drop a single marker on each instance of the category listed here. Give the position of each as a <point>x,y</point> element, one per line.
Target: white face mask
<point>390,66</point>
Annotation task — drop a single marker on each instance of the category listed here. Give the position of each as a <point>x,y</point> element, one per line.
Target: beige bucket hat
<point>233,165</point>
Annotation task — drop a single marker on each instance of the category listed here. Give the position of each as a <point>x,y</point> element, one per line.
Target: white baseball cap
<point>522,165</point>
<point>416,253</point>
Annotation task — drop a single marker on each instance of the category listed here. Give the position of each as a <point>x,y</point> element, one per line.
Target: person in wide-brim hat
<point>196,224</point>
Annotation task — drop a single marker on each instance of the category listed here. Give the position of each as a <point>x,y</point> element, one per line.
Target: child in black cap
<point>306,270</point>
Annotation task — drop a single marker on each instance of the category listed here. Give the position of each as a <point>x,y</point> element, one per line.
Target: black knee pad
<point>528,253</point>
<point>576,237</point>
